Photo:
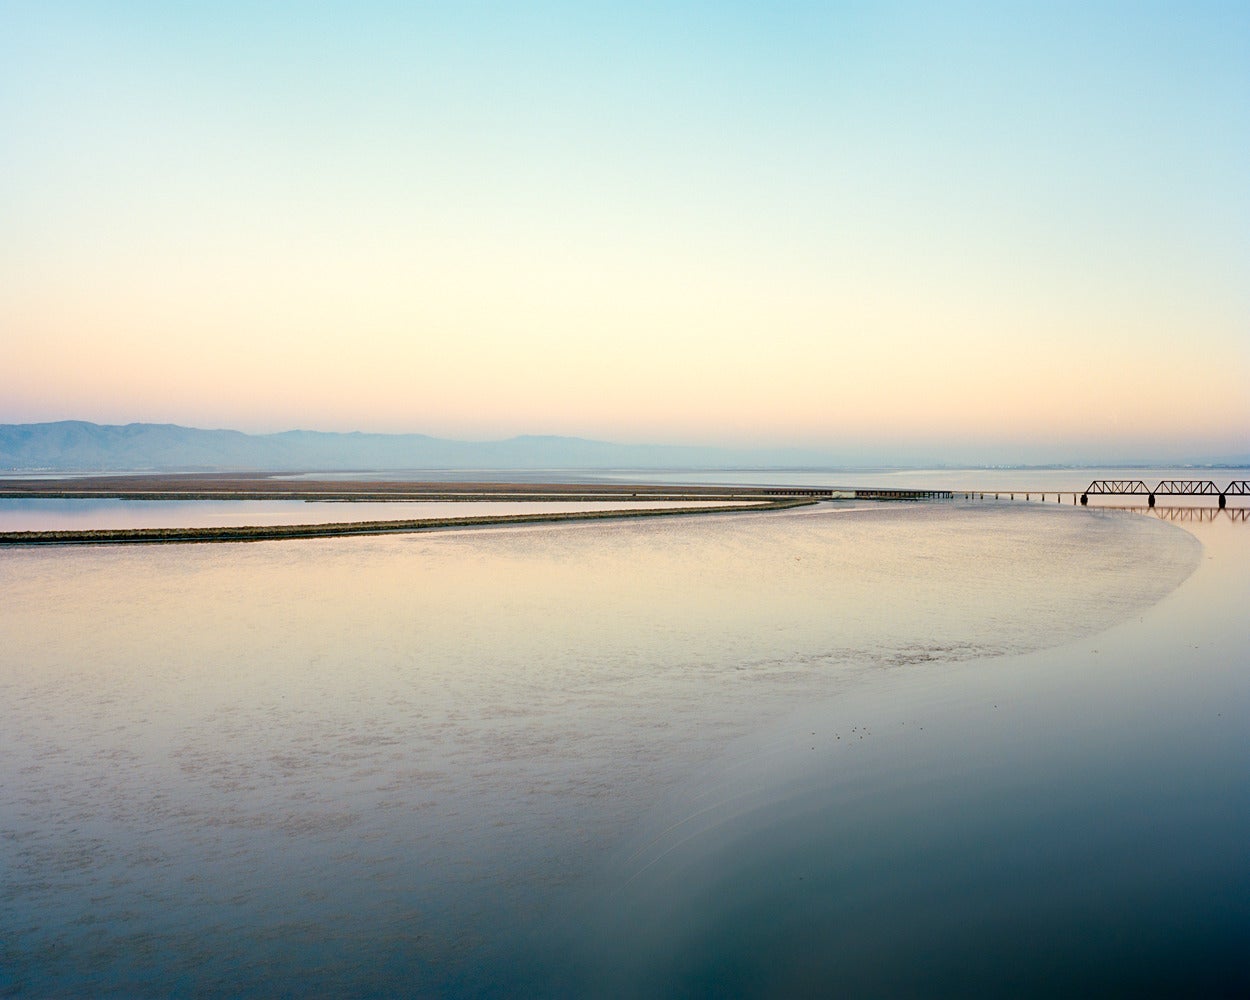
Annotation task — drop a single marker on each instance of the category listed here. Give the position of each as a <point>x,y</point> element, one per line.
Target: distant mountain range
<point>79,446</point>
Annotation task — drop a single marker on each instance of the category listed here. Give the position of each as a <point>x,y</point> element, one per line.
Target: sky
<point>957,232</point>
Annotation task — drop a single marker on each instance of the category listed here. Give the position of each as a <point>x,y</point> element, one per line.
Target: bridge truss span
<point>1187,488</point>
<point>1166,487</point>
<point>1118,487</point>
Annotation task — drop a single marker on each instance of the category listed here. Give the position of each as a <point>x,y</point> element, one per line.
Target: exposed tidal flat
<point>921,749</point>
<point>114,509</point>
<point>53,514</point>
<point>118,522</point>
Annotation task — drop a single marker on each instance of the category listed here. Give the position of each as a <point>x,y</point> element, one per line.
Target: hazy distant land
<point>81,446</point>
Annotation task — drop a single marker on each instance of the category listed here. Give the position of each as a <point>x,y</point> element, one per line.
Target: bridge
<point>1099,487</point>
<point>262,487</point>
<point>857,493</point>
<point>1166,487</point>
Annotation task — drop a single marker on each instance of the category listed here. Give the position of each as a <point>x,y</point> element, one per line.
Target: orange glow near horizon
<point>817,270</point>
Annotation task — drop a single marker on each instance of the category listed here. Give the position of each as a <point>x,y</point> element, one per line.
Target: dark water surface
<point>1069,822</point>
<point>923,749</point>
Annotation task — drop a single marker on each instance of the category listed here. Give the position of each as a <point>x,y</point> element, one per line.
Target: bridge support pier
<point>1150,500</point>
<point>1223,501</point>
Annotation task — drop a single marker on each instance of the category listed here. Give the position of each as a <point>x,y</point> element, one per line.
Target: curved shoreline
<point>257,533</point>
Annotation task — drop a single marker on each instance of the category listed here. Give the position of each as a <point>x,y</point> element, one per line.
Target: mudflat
<point>234,486</point>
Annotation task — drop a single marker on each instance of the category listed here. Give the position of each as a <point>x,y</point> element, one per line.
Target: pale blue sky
<point>990,230</point>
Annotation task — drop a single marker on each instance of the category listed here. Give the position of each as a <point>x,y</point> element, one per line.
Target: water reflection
<point>982,480</point>
<point>1193,515</point>
<point>397,765</point>
<point>1072,822</point>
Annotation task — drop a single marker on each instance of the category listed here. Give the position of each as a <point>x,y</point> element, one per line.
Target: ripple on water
<point>371,756</point>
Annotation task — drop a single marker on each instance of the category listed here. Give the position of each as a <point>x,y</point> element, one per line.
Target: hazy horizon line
<point>789,457</point>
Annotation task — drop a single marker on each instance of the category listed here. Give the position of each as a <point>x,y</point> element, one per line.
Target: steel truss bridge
<point>1099,487</point>
<point>1166,488</point>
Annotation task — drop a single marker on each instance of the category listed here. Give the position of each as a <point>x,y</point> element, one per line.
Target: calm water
<point>1006,479</point>
<point>913,748</point>
<point>61,514</point>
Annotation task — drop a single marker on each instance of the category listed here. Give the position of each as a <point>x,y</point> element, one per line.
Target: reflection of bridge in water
<point>1200,515</point>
